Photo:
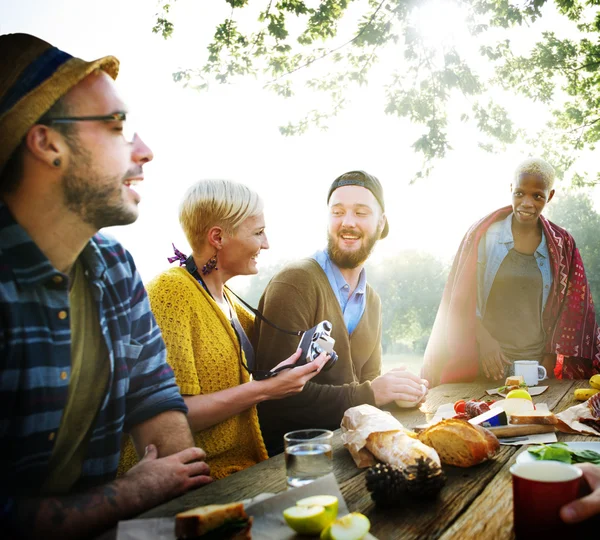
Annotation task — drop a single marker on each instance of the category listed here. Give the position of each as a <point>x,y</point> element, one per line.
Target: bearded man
<point>332,285</point>
<point>82,360</point>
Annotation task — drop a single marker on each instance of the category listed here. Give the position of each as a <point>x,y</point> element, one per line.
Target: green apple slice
<point>350,527</point>
<point>307,519</point>
<point>329,502</point>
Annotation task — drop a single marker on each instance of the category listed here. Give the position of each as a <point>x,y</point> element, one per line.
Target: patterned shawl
<point>569,318</point>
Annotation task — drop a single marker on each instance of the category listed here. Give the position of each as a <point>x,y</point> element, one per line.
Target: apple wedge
<point>307,519</point>
<point>329,502</point>
<point>349,527</point>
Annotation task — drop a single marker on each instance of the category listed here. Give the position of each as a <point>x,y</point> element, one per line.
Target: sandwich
<point>513,383</point>
<point>215,521</point>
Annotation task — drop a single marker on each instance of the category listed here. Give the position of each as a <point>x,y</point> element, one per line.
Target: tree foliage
<point>410,286</point>
<point>429,85</point>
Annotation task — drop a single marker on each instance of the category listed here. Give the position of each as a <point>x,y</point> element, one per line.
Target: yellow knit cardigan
<point>203,351</point>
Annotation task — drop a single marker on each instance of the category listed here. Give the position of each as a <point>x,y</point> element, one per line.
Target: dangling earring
<point>210,265</point>
<point>56,162</point>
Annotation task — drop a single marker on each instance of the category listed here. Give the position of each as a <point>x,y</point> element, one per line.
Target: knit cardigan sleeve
<point>171,297</point>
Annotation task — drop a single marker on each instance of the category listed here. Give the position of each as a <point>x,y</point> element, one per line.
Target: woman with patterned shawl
<point>517,290</point>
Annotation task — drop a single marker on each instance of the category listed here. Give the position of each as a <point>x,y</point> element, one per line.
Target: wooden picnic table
<point>475,502</point>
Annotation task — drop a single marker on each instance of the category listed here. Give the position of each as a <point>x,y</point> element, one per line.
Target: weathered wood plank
<point>489,516</point>
<point>555,393</point>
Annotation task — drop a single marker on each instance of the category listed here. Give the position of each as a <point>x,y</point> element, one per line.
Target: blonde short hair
<point>210,203</point>
<point>539,167</point>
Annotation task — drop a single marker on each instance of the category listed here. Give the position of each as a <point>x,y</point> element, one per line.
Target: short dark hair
<point>11,174</point>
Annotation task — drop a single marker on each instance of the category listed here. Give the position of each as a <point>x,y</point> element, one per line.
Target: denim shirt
<point>493,248</point>
<point>352,305</point>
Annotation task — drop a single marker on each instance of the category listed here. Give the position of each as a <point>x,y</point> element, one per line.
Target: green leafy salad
<point>560,451</point>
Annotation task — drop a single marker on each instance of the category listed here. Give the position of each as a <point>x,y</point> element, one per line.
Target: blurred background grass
<point>412,361</point>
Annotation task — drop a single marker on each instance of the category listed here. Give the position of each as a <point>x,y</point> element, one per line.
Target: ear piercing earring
<point>210,265</point>
<point>56,162</point>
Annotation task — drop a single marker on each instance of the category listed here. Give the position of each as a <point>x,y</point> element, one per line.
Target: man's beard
<point>96,199</point>
<point>350,259</point>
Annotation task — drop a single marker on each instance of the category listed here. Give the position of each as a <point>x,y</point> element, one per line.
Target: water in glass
<point>306,462</point>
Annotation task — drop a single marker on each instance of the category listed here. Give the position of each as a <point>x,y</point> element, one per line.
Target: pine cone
<point>389,485</point>
<point>386,484</point>
<point>424,479</point>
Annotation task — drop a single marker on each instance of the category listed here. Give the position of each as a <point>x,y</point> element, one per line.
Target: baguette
<point>460,443</point>
<point>399,448</point>
<point>534,417</point>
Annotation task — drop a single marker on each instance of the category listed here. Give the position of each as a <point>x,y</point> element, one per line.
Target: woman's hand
<point>291,381</point>
<point>492,358</point>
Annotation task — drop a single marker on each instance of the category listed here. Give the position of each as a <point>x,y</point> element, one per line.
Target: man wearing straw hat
<point>81,357</point>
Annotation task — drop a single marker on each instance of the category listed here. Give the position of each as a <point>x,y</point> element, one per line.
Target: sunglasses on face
<point>127,125</point>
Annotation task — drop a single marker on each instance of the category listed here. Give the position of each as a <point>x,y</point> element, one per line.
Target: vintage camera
<point>314,342</point>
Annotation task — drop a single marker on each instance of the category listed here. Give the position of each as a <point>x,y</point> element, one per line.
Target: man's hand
<point>85,514</point>
<point>588,506</point>
<point>549,361</point>
<point>155,480</point>
<point>398,384</point>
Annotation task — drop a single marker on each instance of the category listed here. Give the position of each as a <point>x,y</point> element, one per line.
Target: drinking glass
<point>308,455</point>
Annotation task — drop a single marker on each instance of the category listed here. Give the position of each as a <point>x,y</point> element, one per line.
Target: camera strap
<point>191,267</point>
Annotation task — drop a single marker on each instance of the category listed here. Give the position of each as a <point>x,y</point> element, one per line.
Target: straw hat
<point>34,75</point>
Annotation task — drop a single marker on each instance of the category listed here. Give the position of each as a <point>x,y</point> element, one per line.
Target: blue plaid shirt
<point>35,358</point>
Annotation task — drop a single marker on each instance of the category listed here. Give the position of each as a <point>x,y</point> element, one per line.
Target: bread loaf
<point>459,443</point>
<point>534,417</point>
<point>399,448</point>
<point>370,433</point>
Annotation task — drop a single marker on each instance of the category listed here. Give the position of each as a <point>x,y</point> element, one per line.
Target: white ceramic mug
<point>531,371</point>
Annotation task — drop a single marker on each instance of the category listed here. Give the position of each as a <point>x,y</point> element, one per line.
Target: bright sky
<point>232,132</point>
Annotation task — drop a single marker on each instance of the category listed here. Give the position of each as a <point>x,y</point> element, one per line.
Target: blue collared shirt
<point>493,248</point>
<point>352,305</point>
<point>35,358</point>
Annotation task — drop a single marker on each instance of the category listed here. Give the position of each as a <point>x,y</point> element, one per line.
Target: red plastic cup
<point>540,490</point>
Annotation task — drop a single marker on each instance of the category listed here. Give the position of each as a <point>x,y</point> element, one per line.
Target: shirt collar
<point>29,265</point>
<point>506,236</point>
<point>339,278</point>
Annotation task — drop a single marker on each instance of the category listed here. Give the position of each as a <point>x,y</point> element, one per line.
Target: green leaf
<point>586,456</point>
<point>560,451</point>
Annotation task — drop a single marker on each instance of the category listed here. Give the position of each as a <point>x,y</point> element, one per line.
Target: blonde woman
<point>207,333</point>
